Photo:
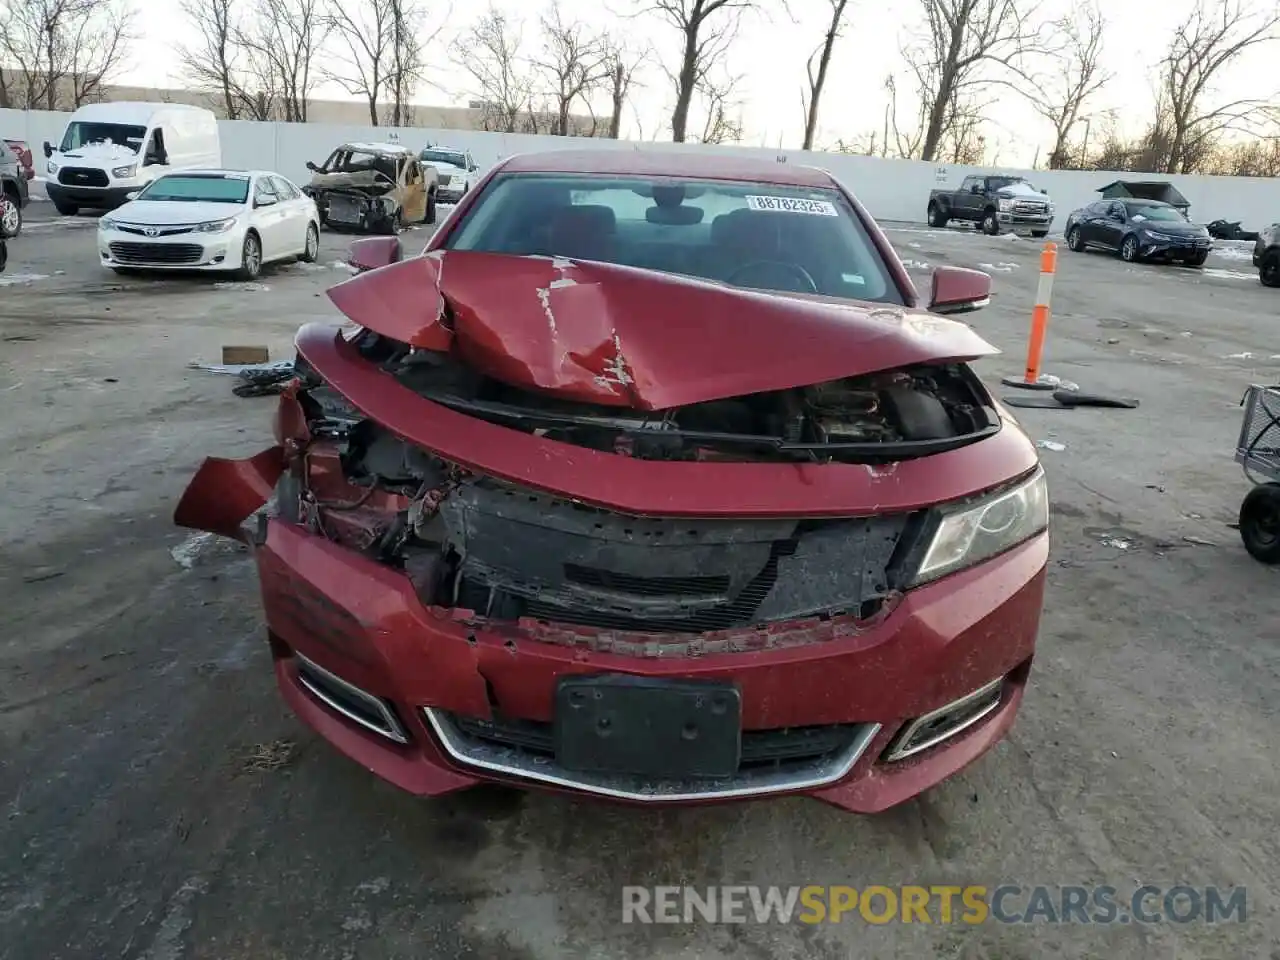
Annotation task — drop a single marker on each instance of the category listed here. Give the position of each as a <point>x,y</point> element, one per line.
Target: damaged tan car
<point>373,188</point>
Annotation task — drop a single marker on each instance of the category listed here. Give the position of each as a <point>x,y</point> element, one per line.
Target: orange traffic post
<point>1032,378</point>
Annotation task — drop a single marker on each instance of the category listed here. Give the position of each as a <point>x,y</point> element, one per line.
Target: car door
<point>268,218</point>
<point>1088,221</point>
<point>1111,225</point>
<point>295,216</point>
<point>970,195</point>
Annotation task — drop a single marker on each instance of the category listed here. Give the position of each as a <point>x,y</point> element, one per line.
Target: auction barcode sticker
<point>821,208</point>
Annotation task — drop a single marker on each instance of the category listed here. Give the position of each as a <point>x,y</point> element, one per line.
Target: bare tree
<point>1075,76</point>
<point>490,53</point>
<point>707,28</point>
<point>283,38</point>
<point>573,62</point>
<point>720,125</point>
<point>62,51</point>
<point>409,40</point>
<point>620,66</point>
<point>961,39</point>
<point>817,77</point>
<point>1213,37</point>
<point>214,63</point>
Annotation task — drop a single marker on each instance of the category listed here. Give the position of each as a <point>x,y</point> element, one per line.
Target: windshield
<point>444,156</point>
<point>230,188</point>
<point>1146,211</point>
<point>758,235</point>
<point>81,133</point>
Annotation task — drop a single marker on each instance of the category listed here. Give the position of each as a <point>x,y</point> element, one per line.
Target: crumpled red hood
<point>621,336</point>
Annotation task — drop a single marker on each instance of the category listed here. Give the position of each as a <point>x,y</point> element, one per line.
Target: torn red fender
<point>224,493</point>
<point>623,336</point>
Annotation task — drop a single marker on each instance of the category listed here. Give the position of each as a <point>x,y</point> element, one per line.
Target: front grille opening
<point>160,254</point>
<point>761,749</point>
<point>946,722</point>
<point>359,706</point>
<point>709,586</point>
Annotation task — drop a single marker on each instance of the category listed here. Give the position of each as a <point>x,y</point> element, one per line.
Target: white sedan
<point>211,220</point>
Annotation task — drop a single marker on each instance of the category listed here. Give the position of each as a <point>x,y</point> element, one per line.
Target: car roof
<point>135,113</point>
<point>669,163</point>
<point>223,172</point>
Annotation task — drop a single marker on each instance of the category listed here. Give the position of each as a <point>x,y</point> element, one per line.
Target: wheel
<point>1198,259</point>
<point>1129,249</point>
<point>1260,523</point>
<point>1075,241</point>
<point>1039,234</point>
<point>1269,270</point>
<point>394,224</point>
<point>10,217</point>
<point>431,208</point>
<point>250,258</point>
<point>937,216</point>
<point>991,224</point>
<point>65,209</point>
<point>312,250</point>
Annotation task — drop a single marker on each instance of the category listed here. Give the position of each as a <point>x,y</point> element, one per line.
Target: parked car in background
<point>1266,255</point>
<point>14,192</point>
<point>110,150</point>
<point>995,203</point>
<point>24,156</point>
<point>653,479</point>
<point>457,170</point>
<point>374,188</point>
<point>211,220</point>
<point>1138,230</point>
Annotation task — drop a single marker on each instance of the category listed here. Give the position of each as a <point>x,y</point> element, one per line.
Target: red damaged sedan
<point>651,479</point>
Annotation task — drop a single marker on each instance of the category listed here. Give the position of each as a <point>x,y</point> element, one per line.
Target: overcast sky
<point>770,55</point>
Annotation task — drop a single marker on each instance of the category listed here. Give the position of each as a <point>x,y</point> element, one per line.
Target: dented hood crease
<point>623,336</point>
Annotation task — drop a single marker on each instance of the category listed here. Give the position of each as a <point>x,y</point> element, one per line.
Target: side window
<point>968,184</point>
<point>284,189</point>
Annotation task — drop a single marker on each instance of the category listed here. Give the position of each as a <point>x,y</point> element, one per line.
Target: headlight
<point>216,226</point>
<point>124,173</point>
<point>1006,205</point>
<point>106,223</point>
<point>51,167</point>
<point>975,532</point>
<point>1155,235</point>
<point>1050,208</point>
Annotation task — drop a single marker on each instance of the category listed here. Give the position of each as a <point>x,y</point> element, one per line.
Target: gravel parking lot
<point>160,802</point>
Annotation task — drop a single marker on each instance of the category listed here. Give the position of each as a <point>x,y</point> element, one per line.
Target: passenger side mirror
<point>264,201</point>
<point>48,149</point>
<point>131,195</point>
<point>312,167</point>
<point>976,188</point>
<point>959,290</point>
<point>374,252</point>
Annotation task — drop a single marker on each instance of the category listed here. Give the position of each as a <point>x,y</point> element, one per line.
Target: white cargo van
<point>109,150</point>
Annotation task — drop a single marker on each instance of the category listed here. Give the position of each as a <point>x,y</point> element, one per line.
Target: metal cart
<point>1258,452</point>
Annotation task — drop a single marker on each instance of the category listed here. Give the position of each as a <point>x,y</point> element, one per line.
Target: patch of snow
<point>188,552</point>
<point>306,267</point>
<point>343,265</point>
<point>1232,253</point>
<point>1227,274</point>
<point>916,265</point>
<point>1011,236</point>
<point>1118,543</point>
<point>914,245</point>
<point>21,279</point>
<point>1053,445</point>
<point>998,267</point>
<point>245,285</point>
<point>1239,356</point>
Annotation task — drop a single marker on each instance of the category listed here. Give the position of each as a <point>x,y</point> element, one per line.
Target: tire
<point>1075,242</point>
<point>1260,523</point>
<point>10,216</point>
<point>1129,249</point>
<point>1039,234</point>
<point>1198,259</point>
<point>250,258</point>
<point>937,216</point>
<point>1269,269</point>
<point>430,217</point>
<point>991,224</point>
<point>311,252</point>
<point>65,209</point>
<point>395,224</point>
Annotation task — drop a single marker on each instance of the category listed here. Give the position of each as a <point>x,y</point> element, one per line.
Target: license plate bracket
<point>648,727</point>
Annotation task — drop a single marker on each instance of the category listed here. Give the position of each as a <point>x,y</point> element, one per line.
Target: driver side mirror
<point>374,252</point>
<point>959,290</point>
<point>132,195</point>
<point>976,189</point>
<point>48,149</point>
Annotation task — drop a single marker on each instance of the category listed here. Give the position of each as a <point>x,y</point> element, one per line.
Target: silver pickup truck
<point>997,204</point>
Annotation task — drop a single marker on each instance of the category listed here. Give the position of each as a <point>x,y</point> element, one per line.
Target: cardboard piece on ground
<point>241,355</point>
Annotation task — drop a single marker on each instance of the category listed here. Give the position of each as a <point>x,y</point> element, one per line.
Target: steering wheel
<point>793,271</point>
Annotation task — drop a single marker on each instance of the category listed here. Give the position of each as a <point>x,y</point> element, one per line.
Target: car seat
<point>587,232</point>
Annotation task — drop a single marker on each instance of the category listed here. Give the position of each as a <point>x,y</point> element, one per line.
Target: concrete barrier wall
<point>891,189</point>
